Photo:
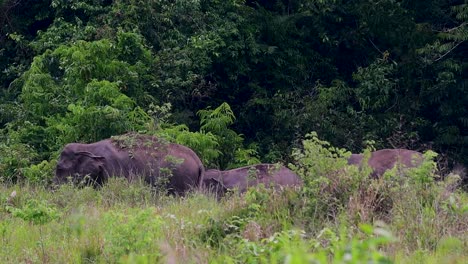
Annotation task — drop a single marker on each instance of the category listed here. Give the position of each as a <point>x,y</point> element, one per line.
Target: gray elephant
<point>385,159</point>
<point>244,177</point>
<point>132,156</point>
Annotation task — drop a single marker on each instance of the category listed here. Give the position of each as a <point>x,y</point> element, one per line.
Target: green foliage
<point>132,233</point>
<point>103,110</point>
<point>20,156</point>
<point>360,250</point>
<point>36,212</point>
<point>424,174</point>
<point>40,173</point>
<point>328,182</point>
<point>417,195</point>
<point>61,32</point>
<point>444,91</point>
<point>375,88</point>
<point>218,119</point>
<point>120,223</point>
<point>18,25</point>
<point>391,71</point>
<point>215,143</point>
<point>292,246</point>
<point>216,122</point>
<point>87,86</point>
<point>204,144</point>
<point>233,228</point>
<point>75,89</point>
<point>120,191</point>
<point>332,188</point>
<point>319,157</point>
<point>278,248</point>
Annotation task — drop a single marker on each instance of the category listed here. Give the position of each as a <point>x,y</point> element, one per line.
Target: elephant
<point>244,177</point>
<point>133,156</point>
<point>385,159</point>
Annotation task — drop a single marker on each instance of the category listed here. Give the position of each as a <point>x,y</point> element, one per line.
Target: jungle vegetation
<point>389,72</point>
<point>240,82</point>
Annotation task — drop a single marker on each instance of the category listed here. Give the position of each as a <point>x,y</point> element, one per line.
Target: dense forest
<point>389,73</point>
<point>241,82</point>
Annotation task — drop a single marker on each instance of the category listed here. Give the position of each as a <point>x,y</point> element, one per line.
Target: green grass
<point>130,223</point>
<point>340,215</point>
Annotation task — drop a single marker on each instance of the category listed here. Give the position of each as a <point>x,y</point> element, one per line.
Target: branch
<point>446,53</point>
<point>383,53</point>
<point>452,29</point>
<point>5,9</point>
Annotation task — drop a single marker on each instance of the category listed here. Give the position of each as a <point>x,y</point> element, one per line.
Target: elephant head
<point>79,165</point>
<point>213,182</point>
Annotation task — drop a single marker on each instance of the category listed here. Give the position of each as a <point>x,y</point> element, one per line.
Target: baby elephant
<point>385,159</point>
<point>244,177</point>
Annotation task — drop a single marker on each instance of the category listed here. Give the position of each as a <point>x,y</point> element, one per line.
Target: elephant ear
<point>91,155</point>
<point>99,163</point>
<point>99,160</point>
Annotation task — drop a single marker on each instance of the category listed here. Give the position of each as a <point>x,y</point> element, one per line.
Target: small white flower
<point>171,216</point>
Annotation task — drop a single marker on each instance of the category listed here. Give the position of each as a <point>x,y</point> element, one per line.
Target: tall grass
<point>339,216</point>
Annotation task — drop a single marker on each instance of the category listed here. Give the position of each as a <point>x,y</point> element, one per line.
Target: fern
<point>216,120</point>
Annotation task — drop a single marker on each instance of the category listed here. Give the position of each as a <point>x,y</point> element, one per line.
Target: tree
<point>88,86</point>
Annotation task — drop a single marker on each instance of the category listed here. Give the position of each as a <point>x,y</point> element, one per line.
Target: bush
<point>19,156</point>
<point>328,181</point>
<point>424,211</point>
<point>231,149</point>
<point>293,246</point>
<point>41,173</point>
<point>217,145</point>
<point>331,187</point>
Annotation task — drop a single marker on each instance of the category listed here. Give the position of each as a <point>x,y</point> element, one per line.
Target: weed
<point>336,217</point>
<point>37,213</point>
<point>131,232</point>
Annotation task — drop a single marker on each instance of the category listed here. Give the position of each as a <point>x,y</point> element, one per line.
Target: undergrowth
<point>340,215</point>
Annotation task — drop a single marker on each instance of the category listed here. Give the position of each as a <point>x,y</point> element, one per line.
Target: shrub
<point>217,145</point>
<point>328,181</point>
<point>40,173</point>
<point>19,156</point>
<point>233,153</point>
<point>424,211</point>
<point>38,213</point>
<point>293,246</point>
<point>35,211</point>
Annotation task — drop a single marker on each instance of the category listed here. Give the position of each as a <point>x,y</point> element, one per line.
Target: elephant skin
<point>385,159</point>
<point>132,156</point>
<point>244,177</point>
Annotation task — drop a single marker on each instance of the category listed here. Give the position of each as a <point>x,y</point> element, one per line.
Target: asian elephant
<point>244,177</point>
<point>385,159</point>
<point>133,156</point>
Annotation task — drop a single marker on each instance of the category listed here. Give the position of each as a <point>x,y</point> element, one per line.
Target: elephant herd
<point>154,160</point>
